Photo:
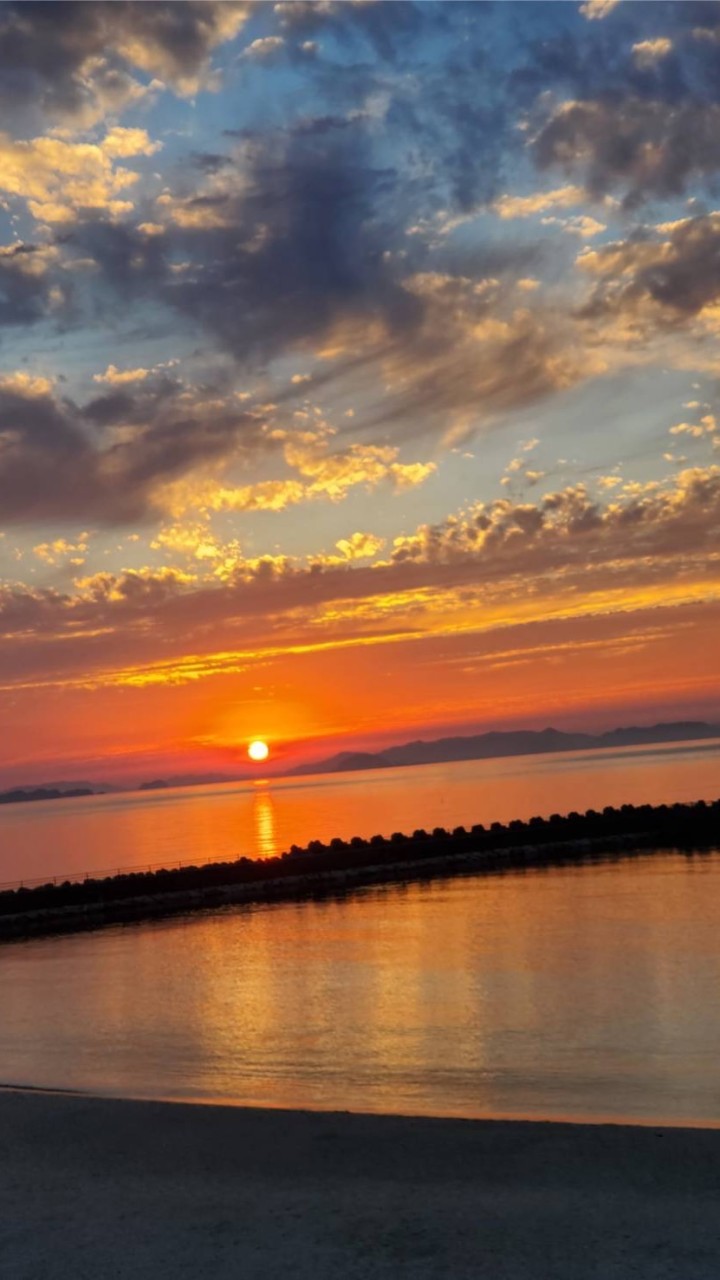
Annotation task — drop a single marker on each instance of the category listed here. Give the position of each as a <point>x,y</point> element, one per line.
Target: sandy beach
<point>92,1189</point>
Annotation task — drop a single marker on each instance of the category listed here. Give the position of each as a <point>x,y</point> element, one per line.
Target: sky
<point>358,376</point>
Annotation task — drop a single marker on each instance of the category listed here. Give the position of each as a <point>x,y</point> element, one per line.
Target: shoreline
<point>108,1188</point>
<point>601,1121</point>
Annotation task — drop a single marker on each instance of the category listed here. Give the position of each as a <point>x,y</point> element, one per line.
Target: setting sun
<point>258,751</point>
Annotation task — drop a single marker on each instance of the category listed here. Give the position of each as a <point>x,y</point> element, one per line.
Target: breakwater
<point>339,866</point>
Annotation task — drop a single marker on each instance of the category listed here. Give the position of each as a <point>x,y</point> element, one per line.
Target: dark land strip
<point>328,870</point>
<point>100,1189</point>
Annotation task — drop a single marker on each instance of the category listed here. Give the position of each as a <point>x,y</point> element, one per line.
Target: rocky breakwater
<point>341,866</point>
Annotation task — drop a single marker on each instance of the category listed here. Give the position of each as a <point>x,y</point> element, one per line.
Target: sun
<point>258,751</point>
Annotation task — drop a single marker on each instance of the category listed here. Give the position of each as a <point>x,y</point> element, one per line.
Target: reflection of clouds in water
<point>264,824</point>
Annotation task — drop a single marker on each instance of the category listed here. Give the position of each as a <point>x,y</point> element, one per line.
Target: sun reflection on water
<point>264,825</point>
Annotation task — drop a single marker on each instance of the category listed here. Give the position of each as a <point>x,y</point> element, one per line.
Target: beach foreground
<point>111,1189</point>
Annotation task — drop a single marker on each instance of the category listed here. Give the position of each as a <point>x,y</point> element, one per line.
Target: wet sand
<point>92,1189</point>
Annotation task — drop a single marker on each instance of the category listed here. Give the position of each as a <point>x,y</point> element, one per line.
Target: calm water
<point>257,819</point>
<point>578,993</point>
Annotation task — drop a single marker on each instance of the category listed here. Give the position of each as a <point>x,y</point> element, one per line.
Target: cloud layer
<point>332,326</point>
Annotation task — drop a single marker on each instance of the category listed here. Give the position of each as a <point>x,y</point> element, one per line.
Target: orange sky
<point>355,383</point>
<point>589,672</point>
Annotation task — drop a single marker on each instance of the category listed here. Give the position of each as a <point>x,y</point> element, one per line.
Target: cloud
<point>646,148</point>
<point>594,10</point>
<point>264,495</point>
<point>206,212</point>
<point>63,552</point>
<point>110,460</point>
<point>292,240</point>
<point>194,540</point>
<point>122,142</point>
<point>25,384</point>
<point>473,353</point>
<point>71,62</point>
<point>497,564</point>
<point>707,426</point>
<point>648,52</point>
<point>174,42</point>
<point>325,474</point>
<point>117,377</point>
<point>27,292</point>
<point>265,49</point>
<point>58,179</point>
<point>525,206</point>
<point>283,243</point>
<point>386,28</point>
<point>360,546</point>
<point>658,283</point>
<point>570,529</point>
<point>294,243</point>
<point>582,225</point>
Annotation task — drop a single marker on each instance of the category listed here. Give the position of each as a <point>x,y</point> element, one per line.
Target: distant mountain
<point>74,784</point>
<point>54,790</point>
<point>482,746</point>
<point>19,795</point>
<point>192,780</point>
<point>522,742</point>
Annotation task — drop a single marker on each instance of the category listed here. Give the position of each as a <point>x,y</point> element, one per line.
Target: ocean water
<point>260,818</point>
<point>576,993</point>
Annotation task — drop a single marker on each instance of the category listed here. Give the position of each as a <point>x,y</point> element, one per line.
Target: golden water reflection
<point>266,843</point>
<point>579,992</point>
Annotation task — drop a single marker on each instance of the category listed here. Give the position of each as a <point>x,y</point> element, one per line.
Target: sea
<point>575,993</point>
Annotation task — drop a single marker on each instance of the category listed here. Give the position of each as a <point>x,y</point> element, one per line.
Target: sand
<point>92,1189</point>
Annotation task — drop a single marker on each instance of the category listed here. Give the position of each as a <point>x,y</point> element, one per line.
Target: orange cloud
<point>325,474</point>
<point>58,178</point>
<point>502,565</point>
<point>525,206</point>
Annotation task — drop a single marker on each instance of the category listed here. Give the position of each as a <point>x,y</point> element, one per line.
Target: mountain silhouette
<point>520,742</point>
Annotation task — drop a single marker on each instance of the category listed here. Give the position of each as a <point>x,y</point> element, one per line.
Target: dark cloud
<point>134,265</point>
<point>570,57</point>
<point>644,148</point>
<point>24,290</point>
<point>301,245</point>
<point>660,281</point>
<point>45,47</point>
<point>209,162</point>
<point>105,411</point>
<point>465,363</point>
<point>298,240</point>
<point>439,68</point>
<point>53,466</point>
<point>387,28</point>
<point>639,96</point>
<point>290,235</point>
